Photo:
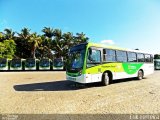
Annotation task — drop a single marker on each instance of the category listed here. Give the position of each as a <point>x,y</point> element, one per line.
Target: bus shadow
<point>63,85</point>
<point>47,86</point>
<point>98,84</point>
<point>124,80</point>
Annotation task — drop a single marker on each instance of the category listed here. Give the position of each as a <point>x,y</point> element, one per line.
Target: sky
<point>124,23</point>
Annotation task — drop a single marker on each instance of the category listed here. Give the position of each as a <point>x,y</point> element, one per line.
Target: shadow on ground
<point>47,86</point>
<point>62,85</point>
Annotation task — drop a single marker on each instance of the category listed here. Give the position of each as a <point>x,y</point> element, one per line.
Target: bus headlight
<point>80,72</point>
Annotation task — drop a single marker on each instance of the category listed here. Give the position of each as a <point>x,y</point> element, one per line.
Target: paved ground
<point>50,93</point>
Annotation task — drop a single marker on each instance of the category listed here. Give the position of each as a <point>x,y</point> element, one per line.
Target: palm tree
<point>34,41</point>
<point>57,33</point>
<point>47,42</point>
<point>23,48</point>
<point>48,32</point>
<point>45,48</point>
<point>81,38</point>
<point>68,41</point>
<point>9,34</point>
<point>57,45</point>
<point>25,33</point>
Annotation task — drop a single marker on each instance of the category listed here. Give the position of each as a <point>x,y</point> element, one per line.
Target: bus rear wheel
<point>140,75</point>
<point>106,79</point>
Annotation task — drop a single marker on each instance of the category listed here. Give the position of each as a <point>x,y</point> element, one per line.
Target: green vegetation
<point>53,43</point>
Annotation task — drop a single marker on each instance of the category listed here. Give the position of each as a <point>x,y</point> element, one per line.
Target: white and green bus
<point>30,64</point>
<point>3,64</point>
<point>58,64</point>
<point>44,64</point>
<point>157,62</point>
<point>90,62</point>
<point>16,64</point>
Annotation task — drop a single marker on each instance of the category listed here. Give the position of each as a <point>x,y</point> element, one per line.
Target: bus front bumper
<point>78,79</point>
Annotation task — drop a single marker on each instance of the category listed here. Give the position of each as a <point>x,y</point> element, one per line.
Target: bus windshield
<point>76,58</point>
<point>16,63</point>
<point>44,63</point>
<point>30,62</point>
<point>58,62</point>
<point>157,62</point>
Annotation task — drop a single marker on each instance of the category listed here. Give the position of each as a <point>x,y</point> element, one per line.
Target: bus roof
<point>114,47</point>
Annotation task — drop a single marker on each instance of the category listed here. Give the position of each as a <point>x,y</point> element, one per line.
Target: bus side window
<point>109,55</point>
<point>147,58</point>
<point>94,56</point>
<point>121,56</point>
<point>132,57</point>
<point>140,57</point>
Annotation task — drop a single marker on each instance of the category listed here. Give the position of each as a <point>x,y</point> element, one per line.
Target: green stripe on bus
<point>131,68</point>
<point>113,67</point>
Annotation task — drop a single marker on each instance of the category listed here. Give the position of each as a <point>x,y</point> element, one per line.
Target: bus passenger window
<point>109,55</point>
<point>148,58</point>
<point>132,57</point>
<point>121,56</point>
<point>140,57</point>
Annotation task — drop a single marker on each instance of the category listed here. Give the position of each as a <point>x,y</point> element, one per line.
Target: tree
<point>2,49</point>
<point>23,47</point>
<point>25,33</point>
<point>45,48</point>
<point>57,43</point>
<point>7,44</point>
<point>2,37</point>
<point>8,48</point>
<point>48,32</point>
<point>9,34</point>
<point>68,42</point>
<point>52,43</point>
<point>34,41</point>
<point>80,38</point>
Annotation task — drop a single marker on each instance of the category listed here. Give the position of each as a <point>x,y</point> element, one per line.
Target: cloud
<point>110,42</point>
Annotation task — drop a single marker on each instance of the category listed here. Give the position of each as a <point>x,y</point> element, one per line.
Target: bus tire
<point>140,75</point>
<point>106,78</point>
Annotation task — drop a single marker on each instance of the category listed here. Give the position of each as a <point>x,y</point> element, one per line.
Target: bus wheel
<point>140,75</point>
<point>105,79</point>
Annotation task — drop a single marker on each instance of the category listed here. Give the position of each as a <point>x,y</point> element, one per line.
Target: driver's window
<point>94,56</point>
